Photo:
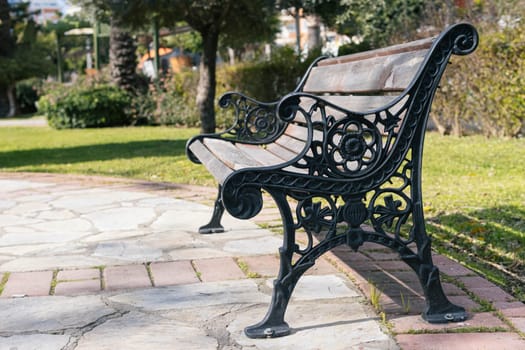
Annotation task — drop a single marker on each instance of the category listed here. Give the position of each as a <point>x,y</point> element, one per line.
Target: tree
<point>122,46</point>
<point>232,19</point>
<point>380,22</point>
<point>320,10</point>
<point>22,55</point>
<point>210,18</point>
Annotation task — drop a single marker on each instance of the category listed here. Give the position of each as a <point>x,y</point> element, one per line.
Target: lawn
<point>473,188</point>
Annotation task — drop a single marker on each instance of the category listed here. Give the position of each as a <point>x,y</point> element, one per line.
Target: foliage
<point>485,92</point>
<point>22,53</point>
<point>381,22</point>
<point>170,100</point>
<point>266,80</point>
<point>86,107</point>
<point>27,94</point>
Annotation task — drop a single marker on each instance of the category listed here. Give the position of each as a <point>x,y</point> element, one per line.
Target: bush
<point>86,107</point>
<point>27,95</point>
<point>171,100</point>
<point>485,92</point>
<point>168,101</point>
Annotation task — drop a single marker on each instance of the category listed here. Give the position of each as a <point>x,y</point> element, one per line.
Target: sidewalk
<point>102,263</point>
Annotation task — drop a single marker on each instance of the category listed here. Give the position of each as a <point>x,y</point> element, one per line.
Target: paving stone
<point>454,270</point>
<point>28,283</point>
<point>492,294</point>
<point>26,209</point>
<point>128,251</point>
<point>50,314</point>
<point>17,185</point>
<point>86,201</point>
<point>120,218</point>
<point>519,323</point>
<point>65,226</point>
<point>194,296</point>
<point>322,267</point>
<point>451,289</point>
<point>405,324</point>
<point>322,287</point>
<point>197,253</point>
<point>134,332</point>
<point>173,272</point>
<point>263,245</point>
<point>58,236</point>
<point>51,262</point>
<point>34,342</point>
<point>78,287</point>
<point>10,220</point>
<point>333,325</point>
<point>471,282</point>
<point>80,274</point>
<point>218,269</point>
<point>464,341</point>
<point>465,301</point>
<point>125,277</point>
<point>264,265</point>
<point>511,309</point>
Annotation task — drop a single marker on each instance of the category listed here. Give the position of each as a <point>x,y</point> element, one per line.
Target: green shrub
<point>485,92</point>
<point>265,80</point>
<point>86,107</point>
<point>27,95</point>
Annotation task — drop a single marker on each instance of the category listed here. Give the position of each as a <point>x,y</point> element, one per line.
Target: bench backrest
<point>367,80</point>
<point>360,112</point>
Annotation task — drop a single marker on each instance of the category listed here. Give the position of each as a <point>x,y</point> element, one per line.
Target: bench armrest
<point>254,121</point>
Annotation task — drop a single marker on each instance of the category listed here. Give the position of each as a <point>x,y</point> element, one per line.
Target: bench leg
<point>438,309</point>
<point>214,226</point>
<point>273,324</point>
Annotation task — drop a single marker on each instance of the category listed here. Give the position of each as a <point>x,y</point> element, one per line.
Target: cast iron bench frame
<point>341,157</point>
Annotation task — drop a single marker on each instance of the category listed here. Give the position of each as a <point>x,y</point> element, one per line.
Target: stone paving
<point>102,263</point>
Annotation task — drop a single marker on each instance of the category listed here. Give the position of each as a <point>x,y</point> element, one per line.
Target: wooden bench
<point>341,157</point>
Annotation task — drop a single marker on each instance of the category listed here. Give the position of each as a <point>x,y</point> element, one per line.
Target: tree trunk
<point>206,88</point>
<point>122,57</point>
<point>11,97</point>
<point>7,42</point>
<point>314,32</point>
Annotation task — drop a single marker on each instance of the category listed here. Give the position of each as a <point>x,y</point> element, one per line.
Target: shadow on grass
<point>497,234</point>
<point>490,241</point>
<point>78,154</point>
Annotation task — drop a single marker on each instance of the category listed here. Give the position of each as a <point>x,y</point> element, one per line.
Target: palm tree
<point>122,57</point>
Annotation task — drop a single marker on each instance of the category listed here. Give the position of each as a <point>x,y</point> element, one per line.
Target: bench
<point>341,157</point>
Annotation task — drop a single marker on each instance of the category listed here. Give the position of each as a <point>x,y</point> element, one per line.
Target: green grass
<point>473,188</point>
<point>141,152</point>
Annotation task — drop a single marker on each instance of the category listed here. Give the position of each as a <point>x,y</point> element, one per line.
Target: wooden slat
<point>292,144</point>
<point>218,169</point>
<point>260,154</point>
<point>360,103</point>
<point>230,155</point>
<point>417,45</point>
<point>280,151</point>
<point>375,74</point>
<point>296,131</point>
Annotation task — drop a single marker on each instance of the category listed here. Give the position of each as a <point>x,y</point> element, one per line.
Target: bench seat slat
<point>229,154</point>
<point>260,154</point>
<point>218,169</point>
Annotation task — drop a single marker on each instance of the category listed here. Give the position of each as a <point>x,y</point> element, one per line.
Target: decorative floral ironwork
<point>254,121</point>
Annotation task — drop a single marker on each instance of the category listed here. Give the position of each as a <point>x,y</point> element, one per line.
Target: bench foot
<point>214,226</point>
<point>451,313</point>
<point>263,330</point>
